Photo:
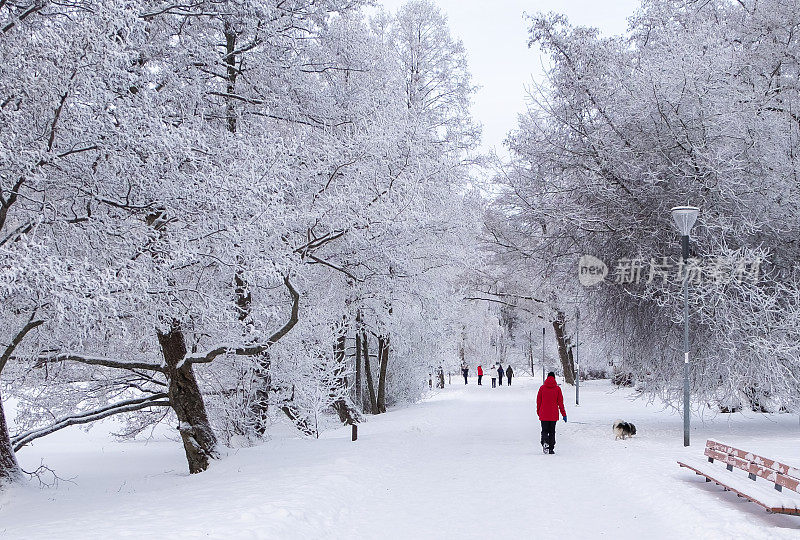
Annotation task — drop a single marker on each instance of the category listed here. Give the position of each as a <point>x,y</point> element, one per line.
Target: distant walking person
<point>500,374</point>
<point>480,375</point>
<point>465,371</point>
<point>494,377</point>
<point>509,374</point>
<point>549,401</point>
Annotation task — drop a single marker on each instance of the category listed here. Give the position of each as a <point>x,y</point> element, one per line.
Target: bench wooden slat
<point>715,454</point>
<point>780,474</point>
<point>728,459</point>
<point>716,480</point>
<point>787,471</point>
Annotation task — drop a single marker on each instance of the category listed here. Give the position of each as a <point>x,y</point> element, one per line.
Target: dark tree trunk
<point>259,408</point>
<point>358,397</point>
<point>348,414</point>
<point>530,353</point>
<point>232,74</point>
<point>343,406</point>
<point>9,468</point>
<point>302,423</point>
<point>383,358</point>
<point>564,351</point>
<point>244,298</point>
<point>199,440</point>
<point>262,377</point>
<point>755,399</point>
<point>371,405</point>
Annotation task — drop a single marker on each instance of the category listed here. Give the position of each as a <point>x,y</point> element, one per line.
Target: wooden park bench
<point>769,495</point>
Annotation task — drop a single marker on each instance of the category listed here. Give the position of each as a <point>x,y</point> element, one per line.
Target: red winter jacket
<point>549,401</point>
<point>480,370</point>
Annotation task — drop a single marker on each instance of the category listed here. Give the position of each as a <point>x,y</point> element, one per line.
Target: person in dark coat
<point>465,372</point>
<point>500,373</point>
<point>549,402</point>
<point>509,374</point>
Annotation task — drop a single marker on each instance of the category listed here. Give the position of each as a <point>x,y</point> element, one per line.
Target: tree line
<point>213,212</point>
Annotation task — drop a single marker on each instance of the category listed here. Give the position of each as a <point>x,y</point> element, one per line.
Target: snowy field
<point>465,463</point>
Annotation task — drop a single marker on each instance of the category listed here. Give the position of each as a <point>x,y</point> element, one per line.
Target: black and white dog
<point>623,430</point>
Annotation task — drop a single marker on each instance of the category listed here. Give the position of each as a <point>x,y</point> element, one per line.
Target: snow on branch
<point>155,400</point>
<point>97,361</point>
<point>30,10</point>
<point>30,325</point>
<point>256,349</point>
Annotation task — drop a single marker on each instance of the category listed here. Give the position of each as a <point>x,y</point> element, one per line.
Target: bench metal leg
<point>711,460</point>
<point>708,480</point>
<point>729,467</point>
<point>778,487</point>
<point>751,476</point>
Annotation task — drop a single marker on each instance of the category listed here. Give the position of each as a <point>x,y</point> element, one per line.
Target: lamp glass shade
<point>684,217</point>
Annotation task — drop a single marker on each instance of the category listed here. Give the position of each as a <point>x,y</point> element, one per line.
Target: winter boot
<point>546,449</point>
<point>551,451</point>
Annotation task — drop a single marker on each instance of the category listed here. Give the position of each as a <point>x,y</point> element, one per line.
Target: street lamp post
<point>684,217</point>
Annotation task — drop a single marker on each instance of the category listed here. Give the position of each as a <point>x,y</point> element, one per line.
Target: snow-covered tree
<point>695,104</point>
<point>202,204</point>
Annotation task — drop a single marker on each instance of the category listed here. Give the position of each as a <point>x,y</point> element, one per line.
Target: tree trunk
<point>383,358</point>
<point>358,396</point>
<point>348,414</point>
<point>564,351</point>
<point>302,423</point>
<point>231,75</point>
<point>372,405</point>
<point>9,468</point>
<point>259,408</point>
<point>530,352</point>
<point>199,441</point>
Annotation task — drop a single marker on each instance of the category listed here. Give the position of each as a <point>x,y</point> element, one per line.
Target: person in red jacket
<point>549,401</point>
<point>480,375</point>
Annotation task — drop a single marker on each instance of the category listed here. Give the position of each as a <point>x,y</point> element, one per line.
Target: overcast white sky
<point>495,37</point>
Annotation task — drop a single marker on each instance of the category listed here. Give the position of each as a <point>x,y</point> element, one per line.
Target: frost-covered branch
<point>257,349</point>
<point>97,361</point>
<point>156,400</point>
<point>32,323</point>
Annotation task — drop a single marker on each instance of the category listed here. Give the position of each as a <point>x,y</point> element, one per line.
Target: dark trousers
<point>465,378</point>
<point>479,379</point>
<point>494,382</point>
<point>509,380</point>
<point>549,433</point>
<point>501,380</point>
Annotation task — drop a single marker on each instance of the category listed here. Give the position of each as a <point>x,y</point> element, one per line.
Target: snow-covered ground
<point>465,463</point>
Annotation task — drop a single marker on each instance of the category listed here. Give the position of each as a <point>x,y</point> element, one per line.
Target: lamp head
<point>684,217</point>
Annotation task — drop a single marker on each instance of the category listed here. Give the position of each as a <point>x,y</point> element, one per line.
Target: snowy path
<point>464,464</point>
